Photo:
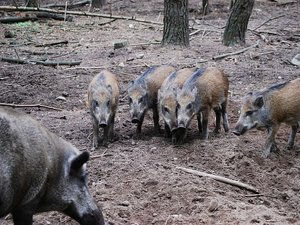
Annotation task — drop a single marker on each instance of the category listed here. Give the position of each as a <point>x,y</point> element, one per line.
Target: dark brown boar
<point>41,172</point>
<point>103,99</point>
<point>268,108</point>
<point>206,89</point>
<point>167,99</point>
<point>142,94</point>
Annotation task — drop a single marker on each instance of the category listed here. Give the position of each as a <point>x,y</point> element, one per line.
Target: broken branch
<point>34,105</point>
<point>45,63</point>
<point>219,178</point>
<point>268,20</point>
<point>32,9</point>
<point>73,5</point>
<point>52,44</point>
<point>235,53</point>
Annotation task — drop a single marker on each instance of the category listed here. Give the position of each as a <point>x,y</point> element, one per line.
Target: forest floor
<point>137,181</point>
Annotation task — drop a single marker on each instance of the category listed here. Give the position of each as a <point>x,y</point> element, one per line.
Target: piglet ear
<point>78,162</point>
<point>259,101</point>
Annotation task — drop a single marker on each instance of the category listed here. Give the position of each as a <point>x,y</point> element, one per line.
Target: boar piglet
<point>268,108</point>
<point>142,94</point>
<point>206,89</point>
<point>103,98</point>
<point>41,172</point>
<point>167,95</point>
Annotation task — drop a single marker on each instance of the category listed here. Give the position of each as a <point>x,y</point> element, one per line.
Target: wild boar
<point>206,89</point>
<point>103,99</point>
<point>142,94</point>
<point>41,172</point>
<point>167,99</point>
<point>268,108</point>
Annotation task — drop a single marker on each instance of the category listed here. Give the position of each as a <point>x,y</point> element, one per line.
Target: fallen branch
<point>73,5</point>
<point>17,19</point>
<point>52,44</point>
<point>219,178</point>
<point>268,20</point>
<point>45,63</point>
<point>235,53</point>
<point>34,105</point>
<point>54,16</point>
<point>32,9</point>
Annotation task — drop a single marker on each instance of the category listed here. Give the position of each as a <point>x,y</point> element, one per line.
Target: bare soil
<point>136,181</point>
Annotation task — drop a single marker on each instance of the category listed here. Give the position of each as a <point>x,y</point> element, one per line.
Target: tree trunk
<point>32,3</point>
<point>205,7</point>
<point>176,23</point>
<point>237,23</point>
<point>98,3</point>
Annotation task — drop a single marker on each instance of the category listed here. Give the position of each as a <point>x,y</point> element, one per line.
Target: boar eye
<point>249,113</point>
<point>141,99</point>
<point>108,103</point>
<point>165,109</point>
<point>130,100</point>
<point>189,106</point>
<point>95,104</point>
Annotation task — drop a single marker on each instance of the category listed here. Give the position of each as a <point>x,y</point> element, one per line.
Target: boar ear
<point>194,91</point>
<point>158,94</point>
<point>259,101</point>
<point>78,162</point>
<point>130,84</point>
<point>109,88</point>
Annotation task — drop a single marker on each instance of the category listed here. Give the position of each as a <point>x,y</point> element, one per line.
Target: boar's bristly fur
<point>36,173</point>
<point>142,94</point>
<point>103,99</point>
<point>268,108</point>
<point>206,89</point>
<point>167,99</point>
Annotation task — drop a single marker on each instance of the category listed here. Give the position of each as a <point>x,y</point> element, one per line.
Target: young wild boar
<point>206,89</point>
<point>142,93</point>
<point>167,99</point>
<point>103,98</point>
<point>269,108</point>
<point>41,172</point>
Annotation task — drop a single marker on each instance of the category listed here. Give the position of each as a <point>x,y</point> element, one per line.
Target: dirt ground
<point>136,181</point>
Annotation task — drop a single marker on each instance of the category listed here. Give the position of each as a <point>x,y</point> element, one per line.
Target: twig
<point>219,178</point>
<point>268,20</point>
<point>99,156</point>
<point>34,105</point>
<point>73,5</point>
<point>235,53</point>
<point>17,19</point>
<point>33,9</point>
<point>45,63</point>
<point>107,22</point>
<point>52,44</point>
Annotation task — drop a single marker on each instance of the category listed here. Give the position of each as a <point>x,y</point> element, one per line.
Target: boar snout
<point>236,132</point>
<point>135,120</point>
<point>239,130</point>
<point>102,124</point>
<point>94,218</point>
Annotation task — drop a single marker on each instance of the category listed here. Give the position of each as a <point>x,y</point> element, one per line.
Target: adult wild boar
<point>142,94</point>
<point>206,89</point>
<point>167,99</point>
<point>103,99</point>
<point>268,108</point>
<point>41,172</point>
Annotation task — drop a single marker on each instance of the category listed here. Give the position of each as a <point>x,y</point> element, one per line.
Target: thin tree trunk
<point>205,7</point>
<point>32,3</point>
<point>237,23</point>
<point>176,30</point>
<point>98,3</point>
